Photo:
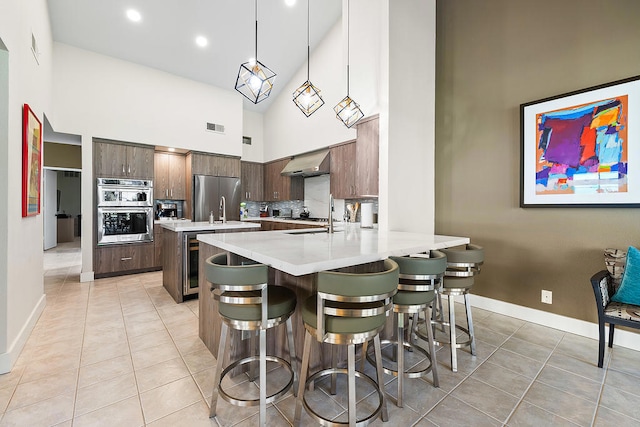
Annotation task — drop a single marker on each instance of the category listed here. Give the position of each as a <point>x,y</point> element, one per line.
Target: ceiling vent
<point>214,127</point>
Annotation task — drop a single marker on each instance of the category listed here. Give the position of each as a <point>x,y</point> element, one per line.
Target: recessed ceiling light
<point>290,2</point>
<point>202,41</point>
<point>134,15</point>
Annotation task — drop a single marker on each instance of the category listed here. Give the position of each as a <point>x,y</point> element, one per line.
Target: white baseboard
<point>8,359</point>
<point>622,338</point>
<point>86,276</point>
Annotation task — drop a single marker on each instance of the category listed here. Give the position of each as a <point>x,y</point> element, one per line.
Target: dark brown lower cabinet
<point>120,259</point>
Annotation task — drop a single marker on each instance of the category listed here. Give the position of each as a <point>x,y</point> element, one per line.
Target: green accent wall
<point>492,56</point>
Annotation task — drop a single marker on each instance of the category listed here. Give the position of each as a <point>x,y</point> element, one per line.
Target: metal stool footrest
<point>328,423</point>
<point>442,343</point>
<point>255,402</point>
<point>409,346</point>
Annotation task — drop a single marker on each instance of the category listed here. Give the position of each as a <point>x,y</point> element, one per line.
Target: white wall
<point>253,126</point>
<point>287,130</point>
<point>109,98</point>
<point>21,274</point>
<point>99,96</point>
<point>4,181</point>
<point>411,119</point>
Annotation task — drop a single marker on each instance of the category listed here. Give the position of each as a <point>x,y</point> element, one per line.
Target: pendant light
<point>307,97</point>
<point>348,111</point>
<point>255,80</point>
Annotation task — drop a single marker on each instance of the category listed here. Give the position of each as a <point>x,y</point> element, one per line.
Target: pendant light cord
<point>348,22</point>
<point>308,38</point>
<point>256,13</point>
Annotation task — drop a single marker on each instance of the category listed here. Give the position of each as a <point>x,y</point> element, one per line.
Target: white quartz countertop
<point>299,254</point>
<point>205,226</point>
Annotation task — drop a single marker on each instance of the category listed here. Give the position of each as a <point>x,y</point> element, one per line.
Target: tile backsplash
<point>316,199</point>
<point>316,196</point>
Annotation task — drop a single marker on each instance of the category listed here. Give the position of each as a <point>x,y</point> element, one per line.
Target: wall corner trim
<point>86,276</point>
<point>8,359</point>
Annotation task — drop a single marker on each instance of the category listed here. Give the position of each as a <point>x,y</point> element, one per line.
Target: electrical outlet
<point>546,297</point>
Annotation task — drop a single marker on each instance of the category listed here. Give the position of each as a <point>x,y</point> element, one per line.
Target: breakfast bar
<point>294,256</point>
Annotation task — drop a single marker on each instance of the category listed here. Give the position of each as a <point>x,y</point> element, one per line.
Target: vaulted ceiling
<point>164,38</point>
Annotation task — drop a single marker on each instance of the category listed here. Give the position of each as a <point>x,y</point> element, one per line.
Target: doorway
<point>62,164</point>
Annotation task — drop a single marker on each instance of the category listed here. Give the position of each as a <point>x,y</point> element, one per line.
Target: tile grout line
<point>531,385</point>
<point>604,379</point>
<point>465,378</point>
<point>191,374</point>
<point>84,331</point>
<point>133,367</point>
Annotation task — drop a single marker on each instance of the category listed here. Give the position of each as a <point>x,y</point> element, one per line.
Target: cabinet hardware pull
<point>123,168</point>
<point>166,193</point>
<point>126,258</point>
<point>128,169</point>
<point>172,192</point>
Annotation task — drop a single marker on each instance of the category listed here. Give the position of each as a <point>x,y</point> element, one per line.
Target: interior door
<point>49,208</point>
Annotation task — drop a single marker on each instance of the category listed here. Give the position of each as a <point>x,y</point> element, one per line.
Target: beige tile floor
<point>120,352</point>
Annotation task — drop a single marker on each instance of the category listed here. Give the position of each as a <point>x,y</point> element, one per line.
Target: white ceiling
<point>165,37</point>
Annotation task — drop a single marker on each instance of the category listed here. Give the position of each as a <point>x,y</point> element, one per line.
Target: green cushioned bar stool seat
<point>463,264</point>
<point>348,309</point>
<point>247,303</point>
<point>418,278</point>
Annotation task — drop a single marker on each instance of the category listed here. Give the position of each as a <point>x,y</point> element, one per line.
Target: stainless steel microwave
<point>125,192</point>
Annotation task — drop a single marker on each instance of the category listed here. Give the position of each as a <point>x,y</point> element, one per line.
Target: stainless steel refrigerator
<point>207,191</point>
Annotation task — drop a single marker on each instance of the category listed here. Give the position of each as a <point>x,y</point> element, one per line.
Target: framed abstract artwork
<point>31,162</point>
<point>582,149</point>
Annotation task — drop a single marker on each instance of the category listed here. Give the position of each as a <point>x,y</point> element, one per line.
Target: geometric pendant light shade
<point>348,111</point>
<point>307,97</point>
<point>255,80</point>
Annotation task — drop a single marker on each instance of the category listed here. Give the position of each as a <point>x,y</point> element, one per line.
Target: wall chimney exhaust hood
<point>311,164</point>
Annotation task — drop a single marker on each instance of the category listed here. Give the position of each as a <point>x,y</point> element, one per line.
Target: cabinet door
<point>367,154</point>
<point>140,162</point>
<point>227,166</point>
<point>343,171</point>
<point>161,176</point>
<point>110,160</point>
<point>252,180</point>
<point>278,187</point>
<point>177,177</point>
<point>272,180</point>
<point>121,258</point>
<point>205,164</point>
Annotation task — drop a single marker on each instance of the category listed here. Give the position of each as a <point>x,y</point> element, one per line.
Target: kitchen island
<point>294,256</point>
<point>179,250</point>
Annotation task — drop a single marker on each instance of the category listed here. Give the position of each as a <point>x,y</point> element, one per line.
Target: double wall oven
<point>125,211</point>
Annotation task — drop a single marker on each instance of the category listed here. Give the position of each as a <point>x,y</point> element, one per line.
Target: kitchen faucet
<point>223,210</point>
<point>330,219</point>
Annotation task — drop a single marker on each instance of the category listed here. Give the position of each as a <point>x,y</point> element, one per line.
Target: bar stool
<point>416,292</point>
<point>348,309</point>
<point>247,303</point>
<point>462,266</point>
